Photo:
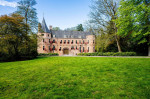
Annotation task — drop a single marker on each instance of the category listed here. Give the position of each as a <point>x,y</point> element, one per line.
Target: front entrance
<point>66,51</point>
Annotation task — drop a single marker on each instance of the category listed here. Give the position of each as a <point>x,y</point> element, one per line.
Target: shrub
<point>48,54</point>
<point>108,54</point>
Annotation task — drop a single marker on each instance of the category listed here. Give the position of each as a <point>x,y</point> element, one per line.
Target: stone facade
<point>50,43</point>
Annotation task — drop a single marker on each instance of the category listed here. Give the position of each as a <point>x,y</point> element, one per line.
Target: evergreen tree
<point>80,27</point>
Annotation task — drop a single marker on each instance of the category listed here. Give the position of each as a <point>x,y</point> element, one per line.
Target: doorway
<point>66,51</point>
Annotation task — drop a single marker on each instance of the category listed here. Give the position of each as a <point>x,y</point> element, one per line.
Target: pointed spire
<point>44,26</point>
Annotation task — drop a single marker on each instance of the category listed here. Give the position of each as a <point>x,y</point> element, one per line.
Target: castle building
<point>65,42</point>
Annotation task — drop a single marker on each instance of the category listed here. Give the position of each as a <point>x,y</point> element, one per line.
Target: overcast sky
<point>61,13</point>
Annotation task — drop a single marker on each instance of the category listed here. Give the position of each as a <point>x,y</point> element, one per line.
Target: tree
<point>103,13</point>
<point>56,28</point>
<point>134,21</point>
<point>26,9</point>
<point>80,27</point>
<point>13,39</point>
<point>40,30</point>
<point>12,34</point>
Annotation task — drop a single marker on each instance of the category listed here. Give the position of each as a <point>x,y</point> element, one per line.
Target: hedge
<point>108,54</point>
<point>48,54</point>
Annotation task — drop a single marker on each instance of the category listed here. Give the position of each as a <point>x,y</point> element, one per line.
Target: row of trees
<point>17,33</point>
<point>79,27</point>
<point>121,25</point>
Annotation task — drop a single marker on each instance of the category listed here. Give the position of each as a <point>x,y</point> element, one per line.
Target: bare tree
<point>103,12</point>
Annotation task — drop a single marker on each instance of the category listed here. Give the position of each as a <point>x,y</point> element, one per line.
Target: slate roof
<point>70,34</point>
<point>44,27</point>
<point>64,34</point>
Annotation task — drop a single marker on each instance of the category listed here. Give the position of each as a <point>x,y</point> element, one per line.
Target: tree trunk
<point>117,39</point>
<point>118,44</point>
<point>149,50</point>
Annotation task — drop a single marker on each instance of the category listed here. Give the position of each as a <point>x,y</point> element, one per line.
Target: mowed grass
<point>76,78</point>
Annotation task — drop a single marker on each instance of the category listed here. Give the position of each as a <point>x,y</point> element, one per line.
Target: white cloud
<point>6,3</point>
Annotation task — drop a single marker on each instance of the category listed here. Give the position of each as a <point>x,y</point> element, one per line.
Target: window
<point>49,48</point>
<point>76,47</point>
<point>83,49</point>
<point>72,47</point>
<point>54,36</point>
<point>61,41</point>
<point>53,41</point>
<point>53,47</point>
<point>80,48</point>
<point>79,36</point>
<point>42,34</point>
<point>43,40</point>
<point>48,35</point>
<point>80,41</point>
<point>49,40</point>
<point>88,49</point>
<point>93,41</point>
<point>65,36</point>
<point>64,41</point>
<point>76,41</point>
<point>43,47</point>
<point>83,41</point>
<point>72,42</point>
<point>71,36</point>
<point>60,49</point>
<point>68,41</point>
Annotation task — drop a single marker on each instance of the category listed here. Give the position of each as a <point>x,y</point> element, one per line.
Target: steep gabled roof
<point>44,26</point>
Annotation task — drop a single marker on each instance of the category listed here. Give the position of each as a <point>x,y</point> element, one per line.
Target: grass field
<point>76,78</point>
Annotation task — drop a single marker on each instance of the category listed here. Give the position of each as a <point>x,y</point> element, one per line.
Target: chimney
<point>50,27</point>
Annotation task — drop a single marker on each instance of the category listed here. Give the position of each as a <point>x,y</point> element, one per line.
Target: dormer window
<point>65,36</point>
<point>71,36</point>
<point>79,36</point>
<point>54,36</point>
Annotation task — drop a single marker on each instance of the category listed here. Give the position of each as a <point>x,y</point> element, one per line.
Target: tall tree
<point>103,12</point>
<point>27,10</point>
<point>134,21</point>
<point>12,35</point>
<point>80,27</point>
<point>13,38</point>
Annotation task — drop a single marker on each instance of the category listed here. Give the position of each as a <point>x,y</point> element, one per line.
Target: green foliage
<point>56,28</point>
<point>80,27</point>
<point>76,78</point>
<point>108,54</point>
<point>14,42</point>
<point>48,54</point>
<point>40,30</point>
<point>133,20</point>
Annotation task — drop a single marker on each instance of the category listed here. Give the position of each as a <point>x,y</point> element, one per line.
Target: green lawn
<point>76,78</point>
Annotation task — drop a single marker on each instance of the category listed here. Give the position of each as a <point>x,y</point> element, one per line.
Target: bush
<point>48,54</point>
<point>108,54</point>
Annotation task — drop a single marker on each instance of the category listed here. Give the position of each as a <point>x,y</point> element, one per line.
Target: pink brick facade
<point>63,46</point>
<point>65,42</point>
